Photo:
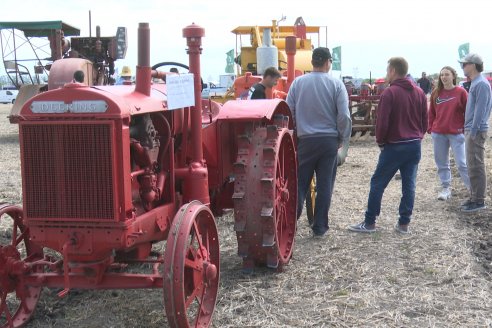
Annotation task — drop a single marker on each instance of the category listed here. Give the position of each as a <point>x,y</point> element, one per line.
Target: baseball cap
<point>321,54</point>
<point>472,59</point>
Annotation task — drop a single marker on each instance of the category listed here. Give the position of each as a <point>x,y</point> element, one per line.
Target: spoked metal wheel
<point>311,201</point>
<point>191,267</point>
<point>17,301</point>
<point>265,197</point>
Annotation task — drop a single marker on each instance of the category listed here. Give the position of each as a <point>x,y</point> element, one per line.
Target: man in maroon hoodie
<point>401,124</point>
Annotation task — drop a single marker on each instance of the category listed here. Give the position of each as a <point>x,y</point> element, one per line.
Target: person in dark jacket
<point>270,79</point>
<point>424,83</point>
<point>401,124</point>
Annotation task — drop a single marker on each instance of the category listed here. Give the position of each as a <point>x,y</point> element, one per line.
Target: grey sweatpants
<point>475,149</point>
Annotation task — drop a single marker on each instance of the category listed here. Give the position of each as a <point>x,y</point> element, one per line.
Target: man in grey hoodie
<point>477,115</point>
<point>319,106</point>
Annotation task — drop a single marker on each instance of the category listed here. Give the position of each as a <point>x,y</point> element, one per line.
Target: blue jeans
<point>317,154</point>
<point>442,143</point>
<point>404,157</point>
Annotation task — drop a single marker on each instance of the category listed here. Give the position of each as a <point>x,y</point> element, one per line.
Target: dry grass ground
<point>439,276</point>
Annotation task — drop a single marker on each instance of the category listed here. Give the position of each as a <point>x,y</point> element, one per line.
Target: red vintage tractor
<point>363,106</point>
<point>109,171</point>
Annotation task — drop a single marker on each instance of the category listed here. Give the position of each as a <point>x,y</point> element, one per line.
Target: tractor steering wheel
<point>156,66</point>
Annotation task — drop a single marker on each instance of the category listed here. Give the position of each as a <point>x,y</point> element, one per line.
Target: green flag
<point>337,59</point>
<point>230,61</point>
<point>463,50</point>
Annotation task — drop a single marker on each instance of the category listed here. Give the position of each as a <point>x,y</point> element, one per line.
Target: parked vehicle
<point>8,96</point>
<point>216,90</point>
<point>212,89</point>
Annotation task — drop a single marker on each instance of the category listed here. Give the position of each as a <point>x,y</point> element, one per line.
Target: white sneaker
<point>445,194</point>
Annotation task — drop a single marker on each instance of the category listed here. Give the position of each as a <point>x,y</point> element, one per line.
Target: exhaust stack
<point>143,74</point>
<point>290,50</point>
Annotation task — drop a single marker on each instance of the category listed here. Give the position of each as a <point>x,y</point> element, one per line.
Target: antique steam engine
<point>108,171</point>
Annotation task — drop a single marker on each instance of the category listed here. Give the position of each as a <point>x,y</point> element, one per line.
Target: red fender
<point>259,109</point>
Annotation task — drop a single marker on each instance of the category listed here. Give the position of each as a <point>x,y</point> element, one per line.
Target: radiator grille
<point>67,171</point>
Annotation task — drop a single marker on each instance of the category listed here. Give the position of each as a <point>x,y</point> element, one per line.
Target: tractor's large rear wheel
<point>17,300</point>
<point>265,197</point>
<point>191,267</point>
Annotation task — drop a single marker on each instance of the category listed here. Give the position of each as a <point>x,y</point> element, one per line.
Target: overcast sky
<point>426,32</point>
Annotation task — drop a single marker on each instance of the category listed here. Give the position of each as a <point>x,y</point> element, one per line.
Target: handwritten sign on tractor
<point>180,91</point>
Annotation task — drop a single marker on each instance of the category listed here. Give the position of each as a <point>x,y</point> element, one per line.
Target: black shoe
<point>473,207</point>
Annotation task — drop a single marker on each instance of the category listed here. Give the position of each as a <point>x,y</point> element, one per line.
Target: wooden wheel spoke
<point>282,186</point>
<point>283,218</point>
<point>20,238</point>
<point>191,253</point>
<point>24,305</point>
<point>280,223</point>
<point>208,247</point>
<point>194,264</point>
<point>195,294</point>
<point>14,234</point>
<point>199,240</point>
<point>280,166</point>
<point>286,183</point>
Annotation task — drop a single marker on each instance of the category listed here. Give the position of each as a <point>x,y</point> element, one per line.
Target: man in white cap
<point>476,126</point>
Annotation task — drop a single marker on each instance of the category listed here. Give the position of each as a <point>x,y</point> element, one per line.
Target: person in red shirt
<point>446,125</point>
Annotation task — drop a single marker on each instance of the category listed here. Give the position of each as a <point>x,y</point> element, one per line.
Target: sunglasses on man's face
<point>464,64</point>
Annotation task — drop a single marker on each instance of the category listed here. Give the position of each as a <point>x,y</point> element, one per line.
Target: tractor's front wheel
<point>191,267</point>
<point>17,300</point>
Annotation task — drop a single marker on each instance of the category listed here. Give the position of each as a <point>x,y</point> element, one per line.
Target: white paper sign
<point>180,91</point>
